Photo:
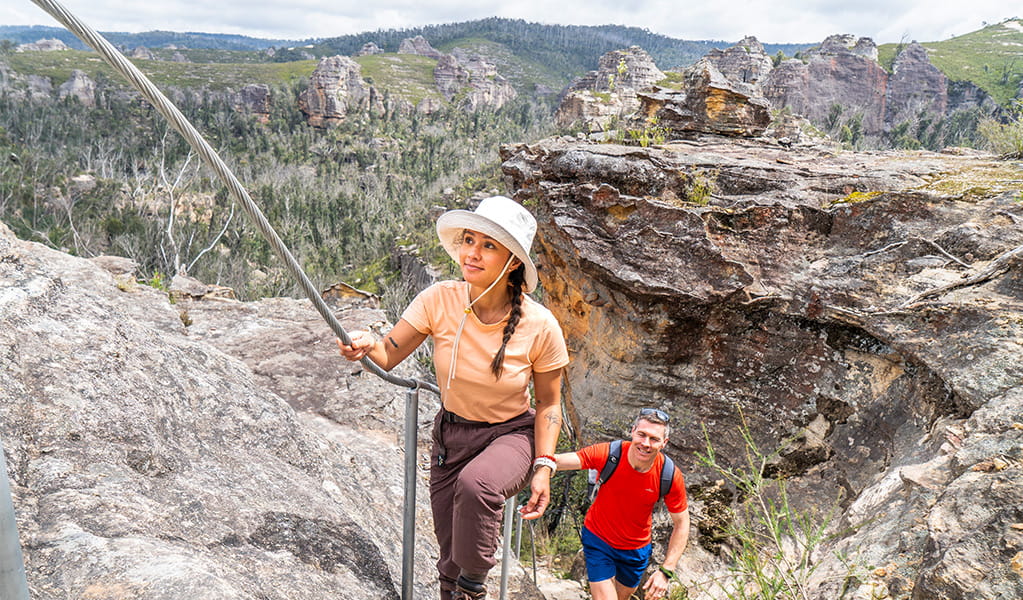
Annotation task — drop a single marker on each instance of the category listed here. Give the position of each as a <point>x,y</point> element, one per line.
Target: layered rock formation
<point>418,45</point>
<point>203,449</point>
<point>861,313</point>
<point>710,103</point>
<point>475,82</point>
<point>745,62</point>
<point>840,71</point>
<point>915,87</point>
<point>335,88</point>
<point>254,99</point>
<point>609,92</point>
<point>79,86</point>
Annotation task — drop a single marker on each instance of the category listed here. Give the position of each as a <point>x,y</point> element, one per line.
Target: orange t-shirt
<point>537,346</point>
<point>622,513</point>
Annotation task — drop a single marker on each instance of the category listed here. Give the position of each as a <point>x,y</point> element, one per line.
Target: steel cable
<point>177,120</point>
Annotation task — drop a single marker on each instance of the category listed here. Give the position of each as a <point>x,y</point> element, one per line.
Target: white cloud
<point>778,21</point>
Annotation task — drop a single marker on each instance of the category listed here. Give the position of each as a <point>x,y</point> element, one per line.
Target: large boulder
<point>860,313</point>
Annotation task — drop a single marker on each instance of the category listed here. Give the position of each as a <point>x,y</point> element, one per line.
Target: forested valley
<point>116,179</point>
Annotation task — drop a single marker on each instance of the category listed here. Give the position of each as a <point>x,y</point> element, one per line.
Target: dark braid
<point>516,279</point>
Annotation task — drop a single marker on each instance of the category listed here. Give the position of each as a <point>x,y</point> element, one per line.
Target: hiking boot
<point>466,589</point>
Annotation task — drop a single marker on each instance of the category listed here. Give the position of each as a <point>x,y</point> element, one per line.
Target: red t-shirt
<point>622,513</point>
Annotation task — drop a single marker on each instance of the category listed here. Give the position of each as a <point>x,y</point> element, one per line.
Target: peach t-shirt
<point>537,345</point>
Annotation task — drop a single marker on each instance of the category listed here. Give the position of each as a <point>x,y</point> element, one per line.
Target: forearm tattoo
<point>393,343</point>
<point>553,421</point>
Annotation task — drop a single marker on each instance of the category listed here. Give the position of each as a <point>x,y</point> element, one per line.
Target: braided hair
<point>516,279</point>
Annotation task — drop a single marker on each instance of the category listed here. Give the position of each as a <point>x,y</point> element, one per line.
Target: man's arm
<point>657,585</point>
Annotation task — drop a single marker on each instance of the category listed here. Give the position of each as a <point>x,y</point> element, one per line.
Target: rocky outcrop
<point>710,103</point>
<point>476,82</point>
<point>254,99</point>
<point>860,312</point>
<point>418,45</point>
<point>610,92</point>
<point>45,45</point>
<point>839,72</point>
<point>369,49</point>
<point>335,88</point>
<point>142,52</point>
<point>915,87</point>
<point>35,88</point>
<point>79,86</point>
<point>745,62</point>
<point>199,449</point>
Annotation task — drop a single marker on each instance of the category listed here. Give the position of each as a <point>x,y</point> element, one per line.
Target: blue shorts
<point>604,562</point>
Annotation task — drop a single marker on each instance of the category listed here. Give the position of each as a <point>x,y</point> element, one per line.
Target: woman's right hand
<point>362,343</point>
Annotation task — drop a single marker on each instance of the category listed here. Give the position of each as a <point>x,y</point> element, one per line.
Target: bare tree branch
<point>1000,265</point>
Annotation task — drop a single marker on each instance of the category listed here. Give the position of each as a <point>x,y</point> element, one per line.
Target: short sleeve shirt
<point>622,513</point>
<point>537,346</point>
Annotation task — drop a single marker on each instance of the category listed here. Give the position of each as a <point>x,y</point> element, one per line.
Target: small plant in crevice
<point>770,545</point>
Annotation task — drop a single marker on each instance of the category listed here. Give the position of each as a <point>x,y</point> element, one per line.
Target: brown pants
<point>483,465</point>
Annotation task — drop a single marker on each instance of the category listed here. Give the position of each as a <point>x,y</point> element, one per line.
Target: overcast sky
<point>771,21</point>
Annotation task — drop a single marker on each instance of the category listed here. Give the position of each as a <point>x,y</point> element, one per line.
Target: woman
<point>490,339</point>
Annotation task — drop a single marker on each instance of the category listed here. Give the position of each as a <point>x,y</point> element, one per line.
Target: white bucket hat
<point>501,218</point>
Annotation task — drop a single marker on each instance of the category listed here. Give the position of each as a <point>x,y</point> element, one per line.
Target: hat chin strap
<point>465,315</point>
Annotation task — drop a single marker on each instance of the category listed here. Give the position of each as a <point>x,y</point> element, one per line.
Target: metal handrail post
<point>13,584</point>
<point>408,532</point>
<point>509,513</point>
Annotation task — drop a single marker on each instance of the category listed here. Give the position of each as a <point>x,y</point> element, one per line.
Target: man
<point>616,533</point>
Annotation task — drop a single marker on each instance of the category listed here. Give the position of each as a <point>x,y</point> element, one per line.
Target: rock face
<point>915,86</point>
<point>866,307</point>
<point>610,91</point>
<point>418,45</point>
<point>838,72</point>
<point>142,52</point>
<point>710,103</point>
<point>45,45</point>
<point>255,100</point>
<point>80,86</point>
<point>368,49</point>
<point>477,81</point>
<point>745,62</point>
<point>335,87</point>
<point>155,451</point>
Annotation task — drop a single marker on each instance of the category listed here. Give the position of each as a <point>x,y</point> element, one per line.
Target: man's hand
<point>541,496</point>
<point>656,586</point>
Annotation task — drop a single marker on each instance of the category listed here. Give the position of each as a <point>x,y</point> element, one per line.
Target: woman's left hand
<point>541,496</point>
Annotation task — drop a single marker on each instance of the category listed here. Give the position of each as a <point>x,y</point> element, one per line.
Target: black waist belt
<point>450,417</point>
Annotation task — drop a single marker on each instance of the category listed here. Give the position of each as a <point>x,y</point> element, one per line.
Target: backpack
<point>614,456</point>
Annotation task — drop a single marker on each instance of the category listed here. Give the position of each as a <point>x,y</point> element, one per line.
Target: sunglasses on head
<point>660,414</point>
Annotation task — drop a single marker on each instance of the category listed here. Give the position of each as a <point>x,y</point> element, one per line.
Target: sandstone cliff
<point>863,313</point>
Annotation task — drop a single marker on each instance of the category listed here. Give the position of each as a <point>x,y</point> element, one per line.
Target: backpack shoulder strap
<point>667,475</point>
<point>613,456</point>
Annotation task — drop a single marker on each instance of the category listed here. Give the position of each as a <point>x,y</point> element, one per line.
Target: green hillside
<point>991,58</point>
